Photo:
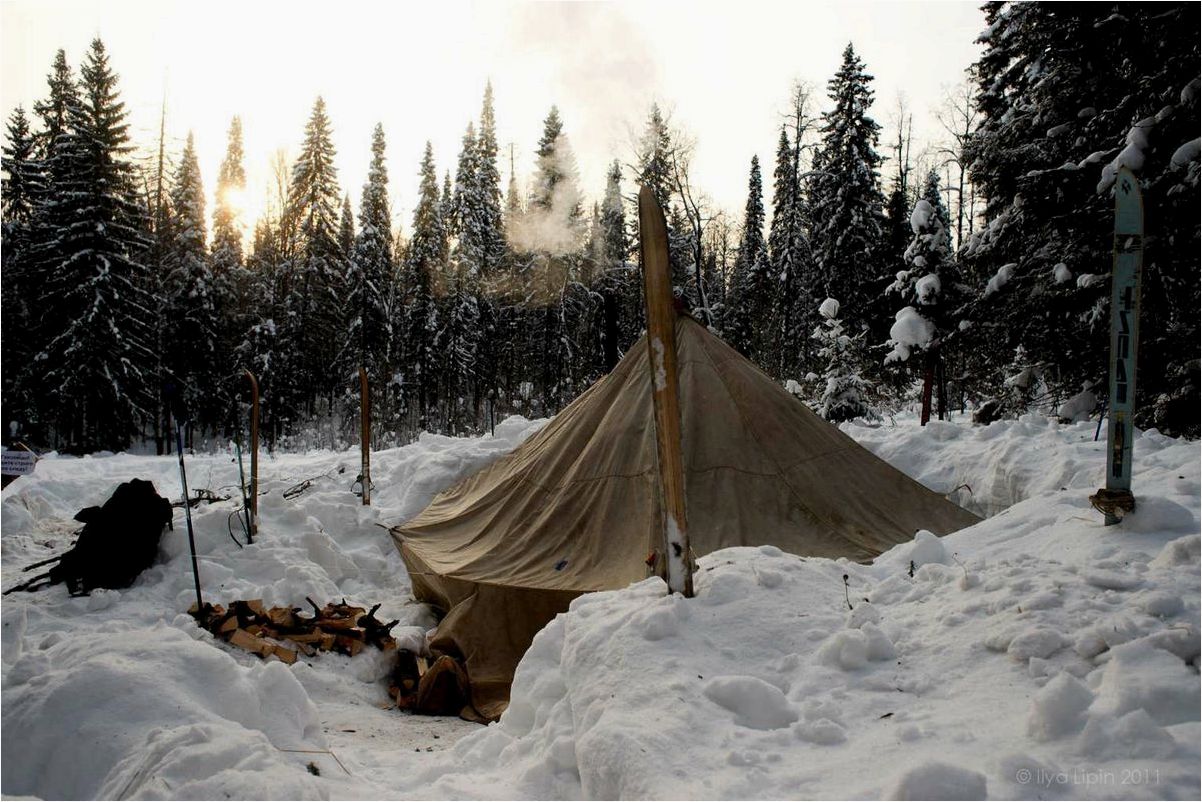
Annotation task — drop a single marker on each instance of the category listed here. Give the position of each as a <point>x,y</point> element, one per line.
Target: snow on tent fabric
<point>576,508</point>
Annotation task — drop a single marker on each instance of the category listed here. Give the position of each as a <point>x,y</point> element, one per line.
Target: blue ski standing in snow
<point>1124,341</point>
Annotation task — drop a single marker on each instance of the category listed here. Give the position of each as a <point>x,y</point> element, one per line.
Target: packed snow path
<point>1037,654</point>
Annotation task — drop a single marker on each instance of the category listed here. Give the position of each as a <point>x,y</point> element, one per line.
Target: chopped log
<point>244,640</point>
<point>228,625</point>
<point>349,645</point>
<point>256,606</point>
<point>315,636</point>
<point>303,648</point>
<point>423,665</point>
<point>284,654</point>
<point>282,617</point>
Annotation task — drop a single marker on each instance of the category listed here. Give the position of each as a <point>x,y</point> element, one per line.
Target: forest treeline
<point>866,279</point>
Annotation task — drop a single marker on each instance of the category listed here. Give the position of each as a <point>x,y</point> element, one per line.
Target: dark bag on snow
<point>118,541</point>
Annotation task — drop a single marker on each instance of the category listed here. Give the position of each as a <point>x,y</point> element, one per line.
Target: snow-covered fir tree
<point>617,281</point>
<point>427,258</point>
<point>366,340</point>
<point>656,169</point>
<point>845,195</point>
<point>845,393</point>
<point>236,297</point>
<point>488,186</point>
<point>346,229</point>
<point>20,191</point>
<point>494,251</point>
<point>191,341</point>
<point>551,232</point>
<point>231,186</point>
<point>1060,113</point>
<point>458,338</point>
<point>750,297</point>
<point>96,363</point>
<point>43,255</point>
<point>929,295</point>
<point>787,345</point>
<point>314,277</point>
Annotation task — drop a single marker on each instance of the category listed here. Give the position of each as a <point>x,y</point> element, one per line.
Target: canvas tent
<point>576,507</point>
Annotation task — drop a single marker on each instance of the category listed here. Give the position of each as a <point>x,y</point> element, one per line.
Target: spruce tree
<point>235,290</point>
<point>464,218</point>
<point>346,229</point>
<point>845,196</point>
<point>488,187</point>
<point>621,295</point>
<point>231,185</point>
<point>750,291</point>
<point>427,258</point>
<point>656,169</point>
<point>928,293</point>
<point>459,336</point>
<point>368,332</point>
<point>786,344</point>
<point>191,341</point>
<point>96,365</point>
<point>315,277</point>
<point>655,158</point>
<point>1059,114</point>
<point>21,190</point>
<point>50,214</point>
<point>845,393</point>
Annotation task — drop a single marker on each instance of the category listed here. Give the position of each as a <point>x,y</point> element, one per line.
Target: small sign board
<point>15,462</point>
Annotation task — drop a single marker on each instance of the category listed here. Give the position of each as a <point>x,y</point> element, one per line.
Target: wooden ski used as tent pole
<point>365,435</point>
<point>665,391</point>
<point>254,457</point>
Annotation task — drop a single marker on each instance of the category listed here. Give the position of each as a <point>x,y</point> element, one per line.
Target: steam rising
<point>552,223</point>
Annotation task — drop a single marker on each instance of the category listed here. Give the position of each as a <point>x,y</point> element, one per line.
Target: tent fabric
<point>576,508</point>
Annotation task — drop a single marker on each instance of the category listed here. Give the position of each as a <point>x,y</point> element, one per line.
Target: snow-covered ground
<point>1038,654</point>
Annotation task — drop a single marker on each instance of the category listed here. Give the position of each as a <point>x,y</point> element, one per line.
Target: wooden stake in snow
<point>665,391</point>
<point>365,435</point>
<point>254,457</point>
<point>1116,498</point>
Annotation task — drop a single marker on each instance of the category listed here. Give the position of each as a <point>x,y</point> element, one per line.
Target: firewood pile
<point>286,632</point>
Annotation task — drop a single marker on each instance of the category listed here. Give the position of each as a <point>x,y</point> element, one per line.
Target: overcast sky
<point>723,70</point>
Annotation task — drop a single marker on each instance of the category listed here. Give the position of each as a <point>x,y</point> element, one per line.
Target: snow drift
<point>1037,654</point>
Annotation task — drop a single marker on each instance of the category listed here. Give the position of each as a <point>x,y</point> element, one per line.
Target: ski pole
<point>242,487</point>
<point>180,416</point>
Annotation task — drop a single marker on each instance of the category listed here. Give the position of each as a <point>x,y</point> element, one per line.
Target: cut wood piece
<point>304,648</point>
<point>423,665</point>
<point>284,654</point>
<point>350,645</point>
<point>256,605</point>
<point>228,625</point>
<point>316,636</point>
<point>336,623</point>
<point>244,640</point>
<point>281,616</point>
<point>254,629</point>
<point>327,642</point>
